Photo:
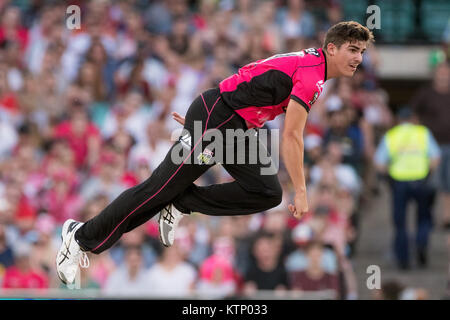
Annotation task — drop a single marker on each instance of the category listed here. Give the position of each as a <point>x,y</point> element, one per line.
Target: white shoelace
<point>83,259</point>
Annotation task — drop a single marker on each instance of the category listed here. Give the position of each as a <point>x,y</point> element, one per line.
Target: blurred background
<point>85,114</point>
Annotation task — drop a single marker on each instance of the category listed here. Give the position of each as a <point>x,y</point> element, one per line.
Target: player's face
<point>349,56</point>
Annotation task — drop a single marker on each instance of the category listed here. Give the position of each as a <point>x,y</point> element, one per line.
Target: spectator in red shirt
<point>118,157</point>
<point>314,278</point>
<point>18,210</point>
<point>11,29</point>
<point>22,275</point>
<point>25,215</point>
<point>81,134</point>
<point>9,103</point>
<point>60,200</point>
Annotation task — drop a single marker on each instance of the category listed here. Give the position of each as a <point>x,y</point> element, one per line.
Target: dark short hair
<point>391,290</point>
<point>347,31</point>
<point>404,113</point>
<point>261,234</point>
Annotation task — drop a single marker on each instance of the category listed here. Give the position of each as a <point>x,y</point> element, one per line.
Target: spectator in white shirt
<point>130,279</point>
<point>172,276</point>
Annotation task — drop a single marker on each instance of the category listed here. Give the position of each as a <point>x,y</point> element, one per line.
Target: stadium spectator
<point>107,180</point>
<point>345,174</point>
<point>153,149</point>
<point>266,271</point>
<point>395,290</point>
<point>390,290</point>
<point>295,21</point>
<point>6,253</point>
<point>22,275</point>
<point>44,246</point>
<point>101,266</point>
<point>347,135</point>
<point>130,279</point>
<point>275,221</point>
<point>217,277</point>
<point>82,136</point>
<point>9,138</point>
<point>129,115</point>
<point>431,104</point>
<point>135,238</point>
<point>314,278</point>
<point>303,234</point>
<point>61,201</point>
<point>409,181</point>
<point>11,28</point>
<point>195,241</point>
<point>171,276</point>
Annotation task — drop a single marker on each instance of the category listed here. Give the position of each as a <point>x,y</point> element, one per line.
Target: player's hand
<point>178,118</point>
<point>300,206</point>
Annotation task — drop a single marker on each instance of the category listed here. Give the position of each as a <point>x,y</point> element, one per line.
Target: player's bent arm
<point>292,144</point>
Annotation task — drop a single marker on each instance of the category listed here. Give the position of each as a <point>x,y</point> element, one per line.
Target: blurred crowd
<point>85,114</point>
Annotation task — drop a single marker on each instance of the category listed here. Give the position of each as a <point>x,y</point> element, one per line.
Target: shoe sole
<point>160,227</point>
<point>60,275</point>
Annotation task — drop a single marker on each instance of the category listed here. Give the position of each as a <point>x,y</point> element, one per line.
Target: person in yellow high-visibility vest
<point>408,153</point>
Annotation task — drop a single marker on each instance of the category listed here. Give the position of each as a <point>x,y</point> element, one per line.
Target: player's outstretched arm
<point>292,153</point>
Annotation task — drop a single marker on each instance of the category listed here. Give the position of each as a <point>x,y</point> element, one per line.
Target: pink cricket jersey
<point>261,90</point>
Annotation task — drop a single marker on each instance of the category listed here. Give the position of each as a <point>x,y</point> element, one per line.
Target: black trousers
<point>172,181</point>
<point>402,192</point>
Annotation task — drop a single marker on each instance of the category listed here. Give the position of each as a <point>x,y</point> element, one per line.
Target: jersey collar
<point>325,58</point>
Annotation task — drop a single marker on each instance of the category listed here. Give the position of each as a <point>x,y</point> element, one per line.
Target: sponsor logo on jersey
<point>316,95</point>
<point>312,51</point>
<point>320,85</point>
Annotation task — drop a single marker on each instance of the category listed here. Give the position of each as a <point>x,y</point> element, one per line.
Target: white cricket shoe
<point>169,217</point>
<point>70,256</point>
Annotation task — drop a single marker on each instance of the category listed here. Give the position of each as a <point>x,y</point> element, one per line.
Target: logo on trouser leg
<point>186,141</point>
<point>205,157</point>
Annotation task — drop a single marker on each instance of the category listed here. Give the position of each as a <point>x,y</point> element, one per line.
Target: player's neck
<point>332,71</point>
